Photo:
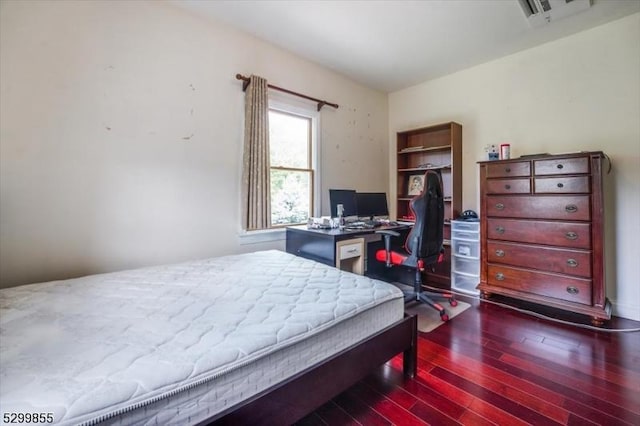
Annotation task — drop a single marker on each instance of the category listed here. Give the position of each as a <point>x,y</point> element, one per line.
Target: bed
<point>257,338</point>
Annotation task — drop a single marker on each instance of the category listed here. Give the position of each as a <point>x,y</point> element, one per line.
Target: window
<point>292,155</point>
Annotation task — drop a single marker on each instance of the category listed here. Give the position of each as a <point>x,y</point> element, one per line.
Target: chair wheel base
<point>421,297</point>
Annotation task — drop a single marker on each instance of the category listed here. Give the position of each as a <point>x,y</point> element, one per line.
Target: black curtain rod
<point>320,102</point>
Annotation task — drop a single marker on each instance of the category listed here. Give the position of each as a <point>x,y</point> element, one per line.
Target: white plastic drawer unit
<point>464,226</point>
<point>466,265</point>
<point>348,251</point>
<point>465,283</point>
<point>465,235</point>
<point>465,248</point>
<point>465,256</point>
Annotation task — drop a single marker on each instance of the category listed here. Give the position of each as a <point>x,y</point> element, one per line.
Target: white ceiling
<point>391,45</point>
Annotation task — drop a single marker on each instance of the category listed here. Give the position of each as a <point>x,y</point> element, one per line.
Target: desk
<point>323,245</point>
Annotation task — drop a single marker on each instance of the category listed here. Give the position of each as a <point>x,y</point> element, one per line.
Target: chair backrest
<point>426,236</point>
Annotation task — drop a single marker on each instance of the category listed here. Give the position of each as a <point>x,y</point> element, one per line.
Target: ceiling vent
<point>542,12</point>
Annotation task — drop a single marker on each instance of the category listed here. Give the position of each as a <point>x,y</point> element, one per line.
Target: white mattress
<point>175,344</point>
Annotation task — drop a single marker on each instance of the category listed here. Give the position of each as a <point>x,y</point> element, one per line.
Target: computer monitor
<point>372,204</point>
<point>346,197</point>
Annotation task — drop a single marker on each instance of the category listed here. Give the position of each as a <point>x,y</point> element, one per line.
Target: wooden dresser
<point>542,231</point>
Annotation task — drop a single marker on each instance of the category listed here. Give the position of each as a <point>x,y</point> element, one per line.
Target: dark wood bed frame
<point>298,396</point>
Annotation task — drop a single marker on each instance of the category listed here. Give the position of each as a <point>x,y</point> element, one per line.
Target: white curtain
<point>256,182</point>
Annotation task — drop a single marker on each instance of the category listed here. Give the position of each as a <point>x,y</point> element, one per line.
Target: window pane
<point>290,195</point>
<point>289,140</point>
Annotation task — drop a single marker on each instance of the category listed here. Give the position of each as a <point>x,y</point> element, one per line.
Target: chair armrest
<point>386,234</point>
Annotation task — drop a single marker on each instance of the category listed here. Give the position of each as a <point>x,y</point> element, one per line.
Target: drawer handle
<point>572,290</point>
<point>508,170</point>
<point>353,250</point>
<point>500,253</point>
<point>507,187</point>
<point>560,185</point>
<point>500,206</point>
<point>572,263</point>
<point>560,166</point>
<point>571,235</point>
<point>500,230</point>
<point>500,277</point>
<point>571,208</point>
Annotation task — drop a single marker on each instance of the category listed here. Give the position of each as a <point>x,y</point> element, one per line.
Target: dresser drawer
<point>562,185</point>
<point>575,207</point>
<point>508,186</point>
<point>561,166</point>
<point>560,287</point>
<point>522,168</point>
<point>565,261</point>
<point>562,234</point>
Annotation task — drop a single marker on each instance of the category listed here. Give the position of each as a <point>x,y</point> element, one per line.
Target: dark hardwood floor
<point>492,365</point>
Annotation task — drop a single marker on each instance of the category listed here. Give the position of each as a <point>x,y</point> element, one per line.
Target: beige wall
<point>578,93</point>
<point>121,135</point>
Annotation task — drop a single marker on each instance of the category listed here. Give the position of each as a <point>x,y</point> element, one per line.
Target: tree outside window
<point>290,145</point>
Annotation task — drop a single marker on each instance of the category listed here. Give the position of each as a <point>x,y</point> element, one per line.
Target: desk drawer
<point>348,251</point>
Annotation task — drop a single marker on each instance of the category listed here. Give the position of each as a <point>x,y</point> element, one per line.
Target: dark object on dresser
<point>542,232</point>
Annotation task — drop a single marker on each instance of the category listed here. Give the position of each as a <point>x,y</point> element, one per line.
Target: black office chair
<point>423,246</point>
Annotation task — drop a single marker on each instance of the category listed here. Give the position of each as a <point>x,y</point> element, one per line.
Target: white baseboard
<point>627,311</point>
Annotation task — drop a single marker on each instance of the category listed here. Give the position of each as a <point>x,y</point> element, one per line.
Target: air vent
<point>541,12</point>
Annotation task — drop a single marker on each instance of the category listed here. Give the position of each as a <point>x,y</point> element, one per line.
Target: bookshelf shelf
<point>424,169</point>
<point>406,151</point>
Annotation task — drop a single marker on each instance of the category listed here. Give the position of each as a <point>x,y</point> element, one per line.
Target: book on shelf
<point>412,148</point>
<point>429,166</point>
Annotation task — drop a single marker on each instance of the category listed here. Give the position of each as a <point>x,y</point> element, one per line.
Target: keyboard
<point>368,224</point>
<point>373,223</point>
<point>358,225</point>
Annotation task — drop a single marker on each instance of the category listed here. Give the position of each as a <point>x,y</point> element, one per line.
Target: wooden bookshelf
<point>439,148</point>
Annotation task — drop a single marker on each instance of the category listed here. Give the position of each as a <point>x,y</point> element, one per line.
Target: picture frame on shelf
<point>416,184</point>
